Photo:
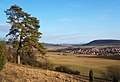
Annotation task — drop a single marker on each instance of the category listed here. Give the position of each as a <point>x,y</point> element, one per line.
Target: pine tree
<point>24,32</point>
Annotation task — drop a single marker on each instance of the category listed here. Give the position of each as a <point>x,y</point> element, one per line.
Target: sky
<point>69,21</point>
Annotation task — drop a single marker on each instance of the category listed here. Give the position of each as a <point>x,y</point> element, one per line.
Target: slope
<point>21,73</point>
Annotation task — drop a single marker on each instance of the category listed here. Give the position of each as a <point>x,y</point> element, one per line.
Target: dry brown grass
<point>82,64</point>
<point>21,73</point>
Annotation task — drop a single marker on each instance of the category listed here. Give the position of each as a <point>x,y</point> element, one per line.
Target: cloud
<point>67,38</point>
<point>4,28</point>
<point>74,37</point>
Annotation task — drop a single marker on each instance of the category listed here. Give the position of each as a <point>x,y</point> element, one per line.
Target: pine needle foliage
<point>24,32</point>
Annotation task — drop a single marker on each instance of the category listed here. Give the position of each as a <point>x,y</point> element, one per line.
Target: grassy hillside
<point>21,73</point>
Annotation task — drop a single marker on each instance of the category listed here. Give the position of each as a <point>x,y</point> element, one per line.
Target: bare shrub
<point>112,73</point>
<point>32,60</point>
<point>3,52</point>
<point>91,76</point>
<point>11,56</point>
<point>66,70</point>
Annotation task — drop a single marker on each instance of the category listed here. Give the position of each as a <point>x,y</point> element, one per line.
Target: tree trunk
<point>18,56</point>
<point>18,59</point>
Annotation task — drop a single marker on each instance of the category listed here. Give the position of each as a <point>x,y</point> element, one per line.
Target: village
<point>93,51</point>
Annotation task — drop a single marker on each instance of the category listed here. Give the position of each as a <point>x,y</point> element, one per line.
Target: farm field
<point>82,64</point>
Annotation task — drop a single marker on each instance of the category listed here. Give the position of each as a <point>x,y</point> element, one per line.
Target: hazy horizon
<point>69,21</point>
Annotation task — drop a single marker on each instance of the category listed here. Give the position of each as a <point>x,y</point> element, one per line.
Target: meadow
<point>82,64</point>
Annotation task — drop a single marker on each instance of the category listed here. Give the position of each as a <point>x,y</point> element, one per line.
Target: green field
<point>82,64</point>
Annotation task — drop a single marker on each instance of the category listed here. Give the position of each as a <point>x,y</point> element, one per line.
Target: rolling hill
<point>103,42</point>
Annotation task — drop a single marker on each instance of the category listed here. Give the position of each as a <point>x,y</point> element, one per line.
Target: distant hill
<point>92,43</point>
<point>50,44</point>
<point>103,42</point>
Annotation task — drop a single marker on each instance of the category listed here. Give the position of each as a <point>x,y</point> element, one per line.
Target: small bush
<point>76,72</point>
<point>32,61</point>
<point>3,52</point>
<point>66,70</point>
<point>11,56</point>
<point>112,73</point>
<point>90,76</point>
